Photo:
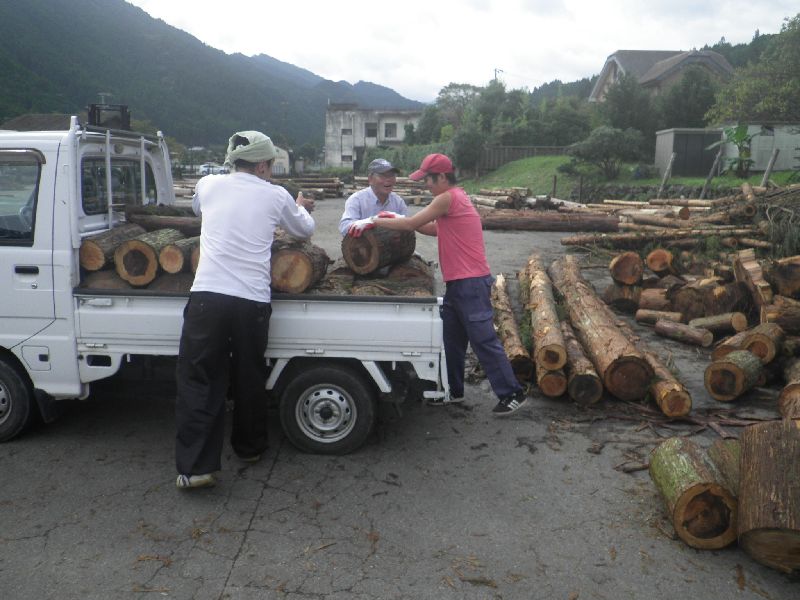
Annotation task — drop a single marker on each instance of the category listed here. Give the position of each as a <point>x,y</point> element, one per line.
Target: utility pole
<point>496,71</point>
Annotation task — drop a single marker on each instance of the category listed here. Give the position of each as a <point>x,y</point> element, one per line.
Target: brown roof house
<point>656,70</point>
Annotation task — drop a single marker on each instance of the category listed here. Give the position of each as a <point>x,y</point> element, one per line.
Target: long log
<point>531,220</point>
<point>725,323</point>
<point>177,256</point>
<point>583,384</point>
<point>764,341</point>
<point>637,240</point>
<point>136,260</point>
<point>789,400</point>
<point>507,330</point>
<point>97,251</point>
<point>296,265</point>
<point>548,343</point>
<point>729,377</point>
<point>627,268</point>
<point>748,270</point>
<point>684,333</point>
<point>769,501</point>
<point>649,317</point>
<point>702,510</point>
<point>377,248</point>
<point>623,369</point>
<point>188,226</point>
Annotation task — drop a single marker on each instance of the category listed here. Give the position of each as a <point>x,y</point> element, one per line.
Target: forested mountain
<point>57,55</point>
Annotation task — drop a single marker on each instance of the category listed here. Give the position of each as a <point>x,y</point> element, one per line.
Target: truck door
<point>26,258</point>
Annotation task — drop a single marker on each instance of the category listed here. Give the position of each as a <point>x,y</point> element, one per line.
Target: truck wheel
<point>16,402</point>
<point>328,410</point>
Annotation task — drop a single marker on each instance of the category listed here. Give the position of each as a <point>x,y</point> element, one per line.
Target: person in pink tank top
<point>467,309</point>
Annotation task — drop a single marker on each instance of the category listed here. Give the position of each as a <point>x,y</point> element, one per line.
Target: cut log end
<point>552,356</point>
<point>673,400</point>
<point>585,389</point>
<point>628,378</point>
<point>705,515</point>
<point>789,401</point>
<point>552,384</point>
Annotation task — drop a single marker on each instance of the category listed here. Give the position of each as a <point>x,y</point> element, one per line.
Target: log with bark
<point>548,353</point>
<point>784,276</point>
<point>725,454</point>
<point>784,312</point>
<point>729,377</point>
<point>136,260</point>
<point>376,248</point>
<point>552,384</point>
<point>627,268</point>
<point>507,330</point>
<point>97,251</point>
<point>583,384</point>
<point>533,220</point>
<point>624,371</point>
<point>709,296</point>
<point>654,299</point>
<point>701,508</point>
<point>748,270</point>
<point>177,283</point>
<point>296,265</point>
<point>638,239</point>
<point>769,500</point>
<point>649,317</point>
<point>789,400</point>
<point>104,280</point>
<point>661,262</point>
<point>764,341</point>
<point>177,256</point>
<point>624,298</point>
<point>722,324</point>
<point>684,333</point>
<point>728,345</point>
<point>188,226</point>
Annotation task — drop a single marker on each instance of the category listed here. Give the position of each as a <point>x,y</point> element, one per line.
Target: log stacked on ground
<point>789,400</point>
<point>624,371</point>
<point>624,298</point>
<point>534,220</point>
<point>654,299</point>
<point>748,270</point>
<point>784,312</point>
<point>725,323</point>
<point>583,384</point>
<point>377,248</point>
<point>296,265</point>
<point>650,317</point>
<point>661,262</point>
<point>769,502</point>
<point>508,331</point>
<point>626,268</point>
<point>136,260</point>
<point>702,510</point>
<point>97,251</point>
<point>684,333</point>
<point>764,341</point>
<point>784,276</point>
<point>731,376</point>
<point>728,345</point>
<point>549,353</point>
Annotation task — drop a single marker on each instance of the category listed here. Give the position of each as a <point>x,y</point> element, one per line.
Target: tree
<point>627,105</point>
<point>468,144</point>
<point>739,137</point>
<point>686,103</point>
<point>607,147</point>
<point>768,90</point>
<point>429,126</point>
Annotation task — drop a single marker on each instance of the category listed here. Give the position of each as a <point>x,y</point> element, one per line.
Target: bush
<point>607,147</point>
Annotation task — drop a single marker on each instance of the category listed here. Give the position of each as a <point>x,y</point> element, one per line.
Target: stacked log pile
<point>413,192</point>
<point>313,186</point>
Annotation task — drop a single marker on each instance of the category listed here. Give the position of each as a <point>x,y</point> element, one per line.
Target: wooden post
<point>770,164</point>
<point>667,175</point>
<point>711,174</point>
<point>555,181</point>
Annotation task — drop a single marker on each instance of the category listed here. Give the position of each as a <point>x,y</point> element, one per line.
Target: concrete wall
<point>349,131</point>
<point>785,137</point>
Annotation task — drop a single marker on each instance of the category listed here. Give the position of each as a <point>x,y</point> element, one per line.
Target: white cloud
<point>418,46</point>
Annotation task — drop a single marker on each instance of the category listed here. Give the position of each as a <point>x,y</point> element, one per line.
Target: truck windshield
<point>19,182</point>
<point>126,184</point>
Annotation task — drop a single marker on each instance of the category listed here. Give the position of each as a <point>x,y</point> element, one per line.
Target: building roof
<point>709,58</point>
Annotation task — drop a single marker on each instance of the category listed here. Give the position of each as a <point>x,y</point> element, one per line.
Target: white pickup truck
<point>331,359</point>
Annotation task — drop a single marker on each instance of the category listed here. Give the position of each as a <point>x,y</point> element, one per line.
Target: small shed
<point>689,145</point>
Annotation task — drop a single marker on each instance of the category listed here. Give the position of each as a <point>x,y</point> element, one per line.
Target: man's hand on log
<point>307,203</point>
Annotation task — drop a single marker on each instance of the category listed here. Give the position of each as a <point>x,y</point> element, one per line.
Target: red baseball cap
<point>432,164</point>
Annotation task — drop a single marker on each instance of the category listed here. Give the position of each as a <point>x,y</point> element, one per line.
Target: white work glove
<point>360,226</point>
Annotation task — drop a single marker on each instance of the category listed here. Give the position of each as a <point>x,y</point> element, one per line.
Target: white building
<point>349,130</point>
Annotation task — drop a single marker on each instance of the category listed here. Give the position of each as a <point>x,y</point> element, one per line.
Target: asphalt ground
<point>441,503</point>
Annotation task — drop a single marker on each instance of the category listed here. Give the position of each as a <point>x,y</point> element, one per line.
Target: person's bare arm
<point>423,221</point>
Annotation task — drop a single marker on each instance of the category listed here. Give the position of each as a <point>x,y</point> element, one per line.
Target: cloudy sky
<point>418,46</point>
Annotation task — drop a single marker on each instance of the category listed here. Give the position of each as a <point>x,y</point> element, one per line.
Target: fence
<point>496,156</point>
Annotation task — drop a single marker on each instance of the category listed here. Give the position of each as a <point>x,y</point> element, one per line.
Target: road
<point>442,503</point>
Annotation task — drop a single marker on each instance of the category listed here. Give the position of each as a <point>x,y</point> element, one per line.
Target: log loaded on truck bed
<point>330,358</point>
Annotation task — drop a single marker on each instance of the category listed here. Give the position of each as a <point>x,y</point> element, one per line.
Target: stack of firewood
<point>413,192</point>
<point>314,186</point>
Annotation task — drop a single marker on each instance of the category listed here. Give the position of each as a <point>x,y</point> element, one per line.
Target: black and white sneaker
<point>187,482</point>
<point>510,404</point>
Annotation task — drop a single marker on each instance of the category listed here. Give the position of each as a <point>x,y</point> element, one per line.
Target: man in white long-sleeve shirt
<point>378,197</point>
<point>226,320</point>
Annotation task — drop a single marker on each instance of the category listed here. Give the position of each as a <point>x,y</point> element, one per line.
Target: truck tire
<point>328,410</point>
<point>16,402</point>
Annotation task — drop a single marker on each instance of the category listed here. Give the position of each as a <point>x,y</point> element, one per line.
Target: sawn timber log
<point>136,260</point>
<point>583,383</point>
<point>508,331</point>
<point>533,220</point>
<point>548,344</point>
<point>376,248</point>
<point>296,265</point>
<point>97,251</point>
<point>624,371</point>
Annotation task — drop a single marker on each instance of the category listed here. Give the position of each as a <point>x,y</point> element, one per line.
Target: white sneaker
<point>195,481</point>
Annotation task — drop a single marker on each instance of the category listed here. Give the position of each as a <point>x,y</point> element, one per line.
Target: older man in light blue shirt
<point>378,197</point>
